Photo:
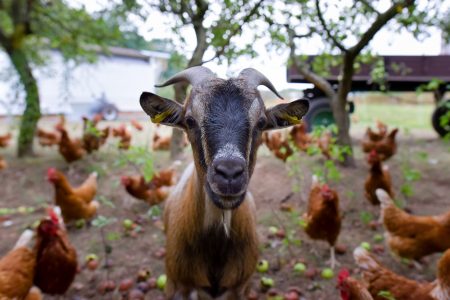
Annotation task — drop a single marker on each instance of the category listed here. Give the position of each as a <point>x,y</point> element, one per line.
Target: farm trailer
<point>403,73</point>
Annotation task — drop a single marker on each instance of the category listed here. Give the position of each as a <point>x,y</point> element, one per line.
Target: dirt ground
<point>24,184</point>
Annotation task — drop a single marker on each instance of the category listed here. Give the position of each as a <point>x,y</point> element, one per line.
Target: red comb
<point>343,274</point>
<point>325,187</point>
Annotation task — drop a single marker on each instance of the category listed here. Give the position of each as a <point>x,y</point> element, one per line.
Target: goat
<point>212,244</point>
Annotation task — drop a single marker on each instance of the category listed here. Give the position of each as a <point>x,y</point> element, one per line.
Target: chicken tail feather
<point>384,198</point>
<point>24,239</point>
<point>364,260</point>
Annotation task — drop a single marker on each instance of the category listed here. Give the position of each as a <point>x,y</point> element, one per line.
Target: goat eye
<point>261,123</point>
<point>190,122</point>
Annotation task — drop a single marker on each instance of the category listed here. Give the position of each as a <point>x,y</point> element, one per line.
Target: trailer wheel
<point>441,118</point>
<point>319,113</point>
<point>109,112</point>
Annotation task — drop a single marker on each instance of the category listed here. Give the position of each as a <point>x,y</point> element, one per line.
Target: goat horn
<point>194,76</point>
<point>255,78</point>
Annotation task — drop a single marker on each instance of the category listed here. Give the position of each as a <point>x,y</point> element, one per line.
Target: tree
<point>345,30</point>
<point>29,28</point>
<point>226,20</point>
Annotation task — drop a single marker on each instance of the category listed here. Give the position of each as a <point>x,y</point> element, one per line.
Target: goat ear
<point>162,110</point>
<point>284,115</point>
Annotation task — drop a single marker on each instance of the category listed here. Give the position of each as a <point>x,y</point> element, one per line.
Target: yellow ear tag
<point>160,117</point>
<point>292,119</point>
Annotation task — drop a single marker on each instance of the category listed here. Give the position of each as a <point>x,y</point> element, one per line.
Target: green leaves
<point>141,158</point>
<point>102,221</point>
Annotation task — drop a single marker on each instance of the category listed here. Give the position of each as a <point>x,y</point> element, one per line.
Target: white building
<point>120,77</point>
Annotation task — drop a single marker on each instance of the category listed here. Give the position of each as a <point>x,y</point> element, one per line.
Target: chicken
<point>161,143</point>
<point>411,236</point>
<point>165,177</point>
<point>278,145</point>
<point>93,138</point>
<point>48,138</point>
<point>324,143</point>
<point>379,279</point>
<point>125,136</point>
<point>5,139</point>
<point>61,123</point>
<point>56,258</point>
<point>323,217</point>
<point>71,150</point>
<point>75,203</point>
<point>137,125</point>
<point>350,288</point>
<point>137,187</point>
<point>378,178</point>
<point>300,137</point>
<point>3,163</point>
<point>386,146</point>
<point>17,269</point>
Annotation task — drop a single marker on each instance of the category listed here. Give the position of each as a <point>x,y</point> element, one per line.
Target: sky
<point>273,65</point>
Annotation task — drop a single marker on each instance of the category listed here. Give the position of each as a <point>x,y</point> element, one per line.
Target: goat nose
<point>230,169</point>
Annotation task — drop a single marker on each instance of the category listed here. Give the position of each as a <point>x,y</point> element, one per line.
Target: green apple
<point>90,257</point>
<point>262,266</point>
<point>267,282</point>
<point>273,230</point>
<point>378,238</point>
<point>161,281</point>
<point>128,224</point>
<point>327,273</point>
<point>366,246</point>
<point>80,223</point>
<point>299,268</point>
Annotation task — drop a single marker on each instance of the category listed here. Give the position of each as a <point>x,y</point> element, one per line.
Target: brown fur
<point>204,258</point>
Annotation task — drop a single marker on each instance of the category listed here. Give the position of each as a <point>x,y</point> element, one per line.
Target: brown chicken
<point>379,279</point>
<point>300,137</point>
<point>324,143</point>
<point>48,138</point>
<point>56,258</point>
<point>61,123</point>
<point>137,187</point>
<point>386,147</point>
<point>161,143</point>
<point>93,138</point>
<point>278,144</point>
<point>17,269</point>
<point>3,163</point>
<point>378,178</point>
<point>5,139</point>
<point>350,288</point>
<point>411,236</point>
<point>323,218</point>
<point>124,135</point>
<point>71,150</point>
<point>75,203</point>
<point>137,125</point>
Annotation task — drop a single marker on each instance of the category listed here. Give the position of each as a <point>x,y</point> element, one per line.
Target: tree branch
<point>370,7</point>
<point>379,22</point>
<point>235,31</point>
<point>309,75</point>
<point>327,30</point>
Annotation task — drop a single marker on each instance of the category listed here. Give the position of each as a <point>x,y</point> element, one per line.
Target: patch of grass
<point>395,115</point>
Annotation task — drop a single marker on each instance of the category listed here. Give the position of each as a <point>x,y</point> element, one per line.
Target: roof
<point>398,69</point>
<point>137,54</point>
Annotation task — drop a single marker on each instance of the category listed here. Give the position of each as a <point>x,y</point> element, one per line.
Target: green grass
<point>410,116</point>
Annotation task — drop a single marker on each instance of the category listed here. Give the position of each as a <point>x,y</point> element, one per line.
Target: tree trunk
<point>32,111</point>
<point>176,144</point>
<point>339,106</point>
